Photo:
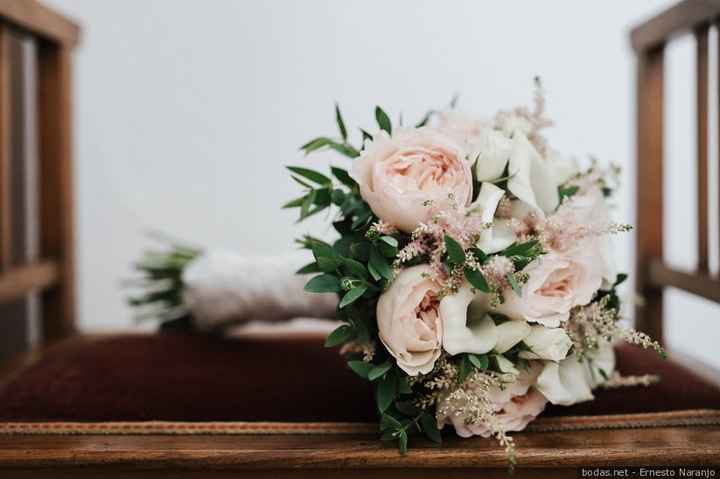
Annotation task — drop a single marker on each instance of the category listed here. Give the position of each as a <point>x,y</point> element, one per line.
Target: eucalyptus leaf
<point>389,422</point>
<point>361,368</point>
<point>429,428</point>
<point>380,264</point>
<point>309,268</point>
<point>340,122</point>
<point>342,334</point>
<point>352,295</point>
<point>312,175</point>
<point>456,254</point>
<point>403,442</point>
<point>383,120</point>
<point>315,144</point>
<point>343,176</point>
<point>477,280</point>
<point>480,361</point>
<point>379,370</point>
<point>385,392</point>
<point>514,284</point>
<point>325,283</point>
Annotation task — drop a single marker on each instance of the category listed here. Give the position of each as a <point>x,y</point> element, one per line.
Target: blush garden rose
<point>401,176</point>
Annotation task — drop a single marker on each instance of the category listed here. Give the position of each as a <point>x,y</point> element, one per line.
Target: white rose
<point>468,329</point>
<point>571,381</point>
<point>556,284</point>
<point>410,322</point>
<point>531,179</point>
<point>547,343</point>
<point>398,176</point>
<point>501,235</point>
<point>491,154</point>
<point>563,169</point>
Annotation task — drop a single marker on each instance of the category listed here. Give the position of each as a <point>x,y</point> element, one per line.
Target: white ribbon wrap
<point>223,288</point>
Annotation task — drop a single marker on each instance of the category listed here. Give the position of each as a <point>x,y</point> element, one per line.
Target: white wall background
<point>188,110</point>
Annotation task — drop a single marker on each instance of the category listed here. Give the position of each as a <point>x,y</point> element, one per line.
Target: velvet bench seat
<point>185,381</point>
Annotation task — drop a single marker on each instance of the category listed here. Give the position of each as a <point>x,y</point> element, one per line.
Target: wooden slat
<point>649,181</point>
<point>39,20</point>
<point>702,285</point>
<point>16,283</point>
<point>56,191</point>
<point>681,18</point>
<point>663,445</point>
<point>5,151</point>
<point>701,36</point>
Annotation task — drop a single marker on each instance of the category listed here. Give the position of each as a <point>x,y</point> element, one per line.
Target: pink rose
<point>398,175</point>
<point>557,283</point>
<point>515,406</point>
<point>409,320</point>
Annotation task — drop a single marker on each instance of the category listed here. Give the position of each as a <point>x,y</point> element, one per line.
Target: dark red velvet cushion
<point>199,378</point>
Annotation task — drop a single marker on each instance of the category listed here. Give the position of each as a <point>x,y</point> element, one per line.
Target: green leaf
<point>294,203</point>
<point>383,120</point>
<point>480,361</point>
<point>322,250</point>
<point>325,283</point>
<point>301,182</point>
<point>390,240</point>
<point>514,284</point>
<point>464,369</point>
<point>429,428</point>
<point>312,175</point>
<point>380,264</point>
<point>355,268</point>
<point>385,392</point>
<point>327,264</point>
<point>352,295</point>
<point>403,385</point>
<point>567,192</point>
<point>365,137</point>
<point>343,176</point>
<point>403,442</point>
<point>477,280</point>
<point>344,149</point>
<point>456,255</point>
<point>529,248</point>
<point>361,368</point>
<point>373,272</point>
<point>309,268</point>
<point>425,119</point>
<point>306,205</point>
<point>315,144</point>
<point>340,122</point>
<point>480,255</point>
<point>620,279</point>
<point>389,422</point>
<point>379,370</point>
<point>342,334</point>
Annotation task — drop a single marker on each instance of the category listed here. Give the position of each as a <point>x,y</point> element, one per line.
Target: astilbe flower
<point>471,401</point>
<point>534,120</point>
<point>617,380</point>
<point>589,325</point>
<point>561,230</point>
<point>462,223</point>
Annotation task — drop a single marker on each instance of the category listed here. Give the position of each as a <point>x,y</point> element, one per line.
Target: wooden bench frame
<point>351,455</point>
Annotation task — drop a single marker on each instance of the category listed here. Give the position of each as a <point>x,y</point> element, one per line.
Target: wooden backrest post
<point>5,151</point>
<point>649,222</point>
<point>56,180</point>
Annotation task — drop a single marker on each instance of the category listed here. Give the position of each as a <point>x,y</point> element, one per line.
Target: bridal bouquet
<point>472,268</point>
